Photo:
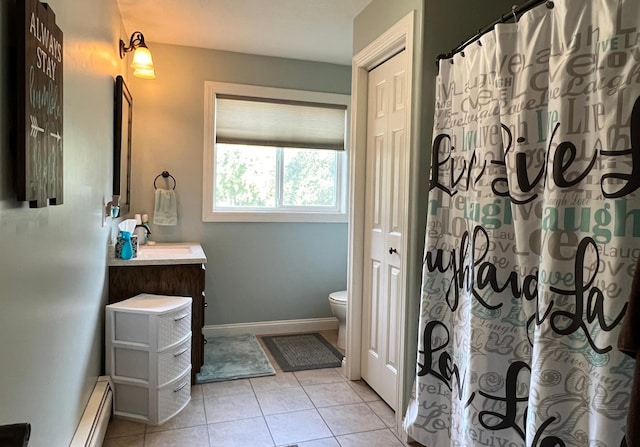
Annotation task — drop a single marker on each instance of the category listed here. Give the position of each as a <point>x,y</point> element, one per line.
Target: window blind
<point>281,123</point>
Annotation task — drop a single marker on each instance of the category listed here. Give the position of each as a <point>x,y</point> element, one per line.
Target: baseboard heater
<point>95,419</point>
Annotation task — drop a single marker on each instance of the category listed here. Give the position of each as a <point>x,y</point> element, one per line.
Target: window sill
<point>240,216</point>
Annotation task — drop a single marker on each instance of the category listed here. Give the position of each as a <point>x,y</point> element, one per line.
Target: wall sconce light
<point>142,63</point>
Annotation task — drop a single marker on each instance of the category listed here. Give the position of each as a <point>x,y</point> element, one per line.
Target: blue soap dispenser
<point>127,248</point>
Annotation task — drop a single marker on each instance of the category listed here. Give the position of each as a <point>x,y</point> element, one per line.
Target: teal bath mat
<point>233,357</point>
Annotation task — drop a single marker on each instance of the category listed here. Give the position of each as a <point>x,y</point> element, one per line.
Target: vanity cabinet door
<point>177,280</point>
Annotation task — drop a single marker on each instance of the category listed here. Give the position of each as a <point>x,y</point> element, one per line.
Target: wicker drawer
<point>135,363</point>
<point>155,329</point>
<point>174,326</point>
<point>173,362</point>
<point>153,406</point>
<point>174,396</point>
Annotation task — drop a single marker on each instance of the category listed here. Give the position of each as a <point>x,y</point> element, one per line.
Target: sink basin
<point>159,250</point>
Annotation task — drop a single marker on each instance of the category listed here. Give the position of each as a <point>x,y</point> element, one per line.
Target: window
<point>274,154</point>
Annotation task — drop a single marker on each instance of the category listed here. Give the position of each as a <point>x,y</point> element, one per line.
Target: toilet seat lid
<point>339,296</point>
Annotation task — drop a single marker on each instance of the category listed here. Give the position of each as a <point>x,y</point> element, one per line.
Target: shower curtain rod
<point>513,14</point>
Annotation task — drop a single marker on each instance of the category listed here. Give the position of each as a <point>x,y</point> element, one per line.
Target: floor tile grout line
<point>327,424</point>
<point>335,436</point>
<point>264,417</point>
<point>206,419</point>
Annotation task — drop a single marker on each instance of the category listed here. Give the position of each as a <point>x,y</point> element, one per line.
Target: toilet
<point>338,304</point>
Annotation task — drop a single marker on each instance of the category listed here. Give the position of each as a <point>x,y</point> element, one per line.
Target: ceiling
<point>315,30</point>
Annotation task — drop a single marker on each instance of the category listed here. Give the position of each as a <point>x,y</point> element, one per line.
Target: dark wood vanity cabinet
<point>176,280</point>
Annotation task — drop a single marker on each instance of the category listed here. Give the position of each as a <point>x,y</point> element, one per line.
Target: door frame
<point>400,36</point>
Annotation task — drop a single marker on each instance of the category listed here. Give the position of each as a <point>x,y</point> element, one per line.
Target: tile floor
<point>316,408</point>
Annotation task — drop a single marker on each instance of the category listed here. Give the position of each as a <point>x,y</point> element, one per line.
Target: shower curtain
<point>533,231</point>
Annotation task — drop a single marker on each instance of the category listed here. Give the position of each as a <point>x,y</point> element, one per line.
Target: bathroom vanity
<point>176,269</point>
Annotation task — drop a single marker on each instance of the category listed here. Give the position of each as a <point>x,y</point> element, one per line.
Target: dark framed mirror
<point>122,121</point>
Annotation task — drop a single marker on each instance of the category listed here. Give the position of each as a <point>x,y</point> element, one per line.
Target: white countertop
<point>162,253</point>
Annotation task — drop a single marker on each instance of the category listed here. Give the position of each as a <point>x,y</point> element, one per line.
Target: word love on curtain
<point>533,233</point>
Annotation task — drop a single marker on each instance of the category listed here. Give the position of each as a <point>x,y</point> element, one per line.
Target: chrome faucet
<point>147,232</point>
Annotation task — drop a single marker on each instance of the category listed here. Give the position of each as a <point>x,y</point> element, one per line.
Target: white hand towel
<point>166,209</point>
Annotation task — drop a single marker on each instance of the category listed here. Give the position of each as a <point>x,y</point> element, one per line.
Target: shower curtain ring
<point>513,11</point>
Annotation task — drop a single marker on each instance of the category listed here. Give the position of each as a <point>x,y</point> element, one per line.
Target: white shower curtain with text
<point>533,232</point>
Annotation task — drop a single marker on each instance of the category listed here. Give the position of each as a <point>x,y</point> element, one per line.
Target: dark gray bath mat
<point>303,351</point>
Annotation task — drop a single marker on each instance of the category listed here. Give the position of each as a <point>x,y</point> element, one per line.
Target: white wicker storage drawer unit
<point>148,356</point>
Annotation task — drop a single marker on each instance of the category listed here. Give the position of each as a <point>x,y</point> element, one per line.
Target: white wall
<point>53,259</point>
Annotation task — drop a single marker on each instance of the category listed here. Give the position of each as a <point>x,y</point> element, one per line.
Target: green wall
<point>53,259</point>
<point>379,16</point>
<point>255,271</point>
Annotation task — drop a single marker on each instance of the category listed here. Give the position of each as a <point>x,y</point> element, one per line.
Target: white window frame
<point>307,214</point>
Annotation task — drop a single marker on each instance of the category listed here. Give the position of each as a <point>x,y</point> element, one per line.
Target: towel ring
<point>165,175</point>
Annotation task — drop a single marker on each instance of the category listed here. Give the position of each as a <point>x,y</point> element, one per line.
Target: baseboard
<point>95,419</point>
<point>272,327</point>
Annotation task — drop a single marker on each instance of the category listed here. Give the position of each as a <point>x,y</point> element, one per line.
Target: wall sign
<point>39,176</point>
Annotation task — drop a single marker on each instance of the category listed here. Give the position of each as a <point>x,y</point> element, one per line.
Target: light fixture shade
<point>143,63</point>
